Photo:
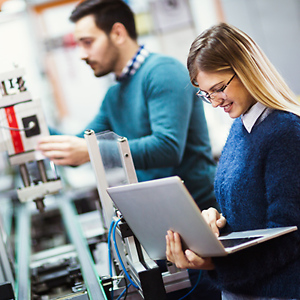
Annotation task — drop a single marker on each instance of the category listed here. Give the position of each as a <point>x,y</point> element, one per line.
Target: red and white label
<point>15,135</point>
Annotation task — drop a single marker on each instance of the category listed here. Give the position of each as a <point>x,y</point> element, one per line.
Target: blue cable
<point>124,291</point>
<point>109,248</point>
<point>112,229</point>
<point>198,280</point>
<point>119,256</point>
<point>109,255</point>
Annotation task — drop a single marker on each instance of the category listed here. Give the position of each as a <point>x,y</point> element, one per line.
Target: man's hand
<point>64,149</point>
<point>214,219</point>
<point>187,259</point>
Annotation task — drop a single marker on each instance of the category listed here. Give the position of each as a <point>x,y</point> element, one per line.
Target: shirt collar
<point>252,115</point>
<point>133,64</point>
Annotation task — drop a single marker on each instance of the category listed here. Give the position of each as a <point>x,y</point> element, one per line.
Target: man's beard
<point>99,73</point>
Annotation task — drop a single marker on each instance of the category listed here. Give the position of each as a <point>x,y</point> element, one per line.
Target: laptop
<point>153,207</point>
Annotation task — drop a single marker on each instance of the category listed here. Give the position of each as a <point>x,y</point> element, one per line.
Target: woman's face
<point>235,99</point>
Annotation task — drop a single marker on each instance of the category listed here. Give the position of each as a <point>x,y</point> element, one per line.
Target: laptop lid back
<point>151,208</point>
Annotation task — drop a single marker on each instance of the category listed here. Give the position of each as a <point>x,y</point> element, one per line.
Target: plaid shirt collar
<point>134,64</point>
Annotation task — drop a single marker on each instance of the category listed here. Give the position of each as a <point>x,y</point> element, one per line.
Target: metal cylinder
<point>42,170</point>
<point>21,84</point>
<point>3,89</point>
<point>40,205</point>
<point>25,175</point>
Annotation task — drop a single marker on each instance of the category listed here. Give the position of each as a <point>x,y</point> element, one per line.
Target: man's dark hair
<point>106,14</point>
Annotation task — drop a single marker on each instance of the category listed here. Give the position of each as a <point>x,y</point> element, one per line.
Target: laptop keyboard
<point>235,242</point>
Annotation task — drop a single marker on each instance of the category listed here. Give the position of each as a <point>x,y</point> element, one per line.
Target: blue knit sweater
<point>258,186</point>
<point>157,110</point>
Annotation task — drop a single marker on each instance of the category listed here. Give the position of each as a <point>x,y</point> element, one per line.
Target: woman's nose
<point>215,103</point>
<point>218,101</point>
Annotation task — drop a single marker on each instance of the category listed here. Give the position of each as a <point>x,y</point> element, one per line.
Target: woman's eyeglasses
<point>218,95</point>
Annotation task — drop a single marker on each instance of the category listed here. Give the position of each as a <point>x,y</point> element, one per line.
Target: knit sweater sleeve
<point>169,100</point>
<point>248,269</point>
<point>101,121</point>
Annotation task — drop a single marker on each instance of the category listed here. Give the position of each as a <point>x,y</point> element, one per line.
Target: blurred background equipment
<point>22,123</point>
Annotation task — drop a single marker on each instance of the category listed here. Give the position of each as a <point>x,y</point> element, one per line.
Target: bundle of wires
<point>112,231</point>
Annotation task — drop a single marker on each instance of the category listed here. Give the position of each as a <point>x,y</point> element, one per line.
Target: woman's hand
<point>214,219</point>
<point>187,259</point>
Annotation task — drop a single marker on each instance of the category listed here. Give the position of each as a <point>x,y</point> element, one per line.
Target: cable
<point>30,126</point>
<point>109,255</point>
<point>127,285</point>
<point>112,229</point>
<point>109,247</point>
<point>198,280</point>
<point>125,290</point>
<point>119,256</point>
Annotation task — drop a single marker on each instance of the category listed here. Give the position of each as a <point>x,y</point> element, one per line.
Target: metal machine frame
<point>143,271</point>
<point>22,123</point>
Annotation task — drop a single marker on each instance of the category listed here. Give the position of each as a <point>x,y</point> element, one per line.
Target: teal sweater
<point>157,111</point>
<point>258,186</point>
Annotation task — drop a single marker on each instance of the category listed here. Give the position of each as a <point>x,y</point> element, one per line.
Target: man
<point>153,104</point>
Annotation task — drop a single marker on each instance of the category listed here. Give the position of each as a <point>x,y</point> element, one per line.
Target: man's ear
<point>118,33</point>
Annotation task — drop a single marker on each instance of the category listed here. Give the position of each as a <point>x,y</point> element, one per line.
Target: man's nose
<point>82,53</point>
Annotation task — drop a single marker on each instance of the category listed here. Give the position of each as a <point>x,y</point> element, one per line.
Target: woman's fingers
<point>214,219</point>
<point>187,259</point>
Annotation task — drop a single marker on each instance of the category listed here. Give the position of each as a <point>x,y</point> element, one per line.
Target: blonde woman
<point>257,183</point>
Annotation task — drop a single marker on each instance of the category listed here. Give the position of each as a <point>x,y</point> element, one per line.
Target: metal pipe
<point>42,170</point>
<point>25,175</point>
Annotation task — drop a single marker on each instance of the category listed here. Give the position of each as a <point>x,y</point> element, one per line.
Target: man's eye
<point>86,43</point>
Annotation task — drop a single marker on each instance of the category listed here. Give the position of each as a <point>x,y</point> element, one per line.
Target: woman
<point>257,183</point>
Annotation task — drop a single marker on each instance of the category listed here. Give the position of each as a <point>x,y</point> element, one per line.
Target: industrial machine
<point>112,164</point>
<point>76,245</point>
<point>44,253</point>
<point>22,123</point>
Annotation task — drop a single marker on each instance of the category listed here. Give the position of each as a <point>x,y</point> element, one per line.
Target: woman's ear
<point>118,33</point>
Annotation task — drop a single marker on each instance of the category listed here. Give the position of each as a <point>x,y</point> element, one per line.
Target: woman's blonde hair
<point>224,47</point>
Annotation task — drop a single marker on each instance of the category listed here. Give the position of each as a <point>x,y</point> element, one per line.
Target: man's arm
<point>71,150</point>
<point>169,97</point>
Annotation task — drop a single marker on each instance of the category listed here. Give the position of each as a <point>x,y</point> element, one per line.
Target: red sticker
<point>15,135</point>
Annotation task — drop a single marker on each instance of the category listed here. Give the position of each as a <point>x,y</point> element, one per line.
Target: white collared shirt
<point>256,114</point>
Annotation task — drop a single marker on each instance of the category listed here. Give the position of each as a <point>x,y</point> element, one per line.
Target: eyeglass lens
<point>217,95</point>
